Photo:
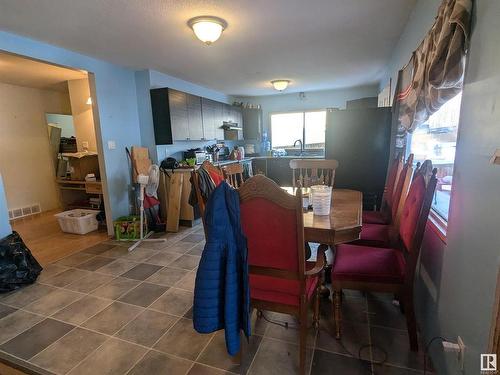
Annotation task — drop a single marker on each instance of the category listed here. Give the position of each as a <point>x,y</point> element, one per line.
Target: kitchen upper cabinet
<point>218,120</point>
<point>179,123</point>
<point>178,116</point>
<point>195,123</point>
<point>252,123</point>
<point>226,113</point>
<point>161,116</point>
<point>208,108</point>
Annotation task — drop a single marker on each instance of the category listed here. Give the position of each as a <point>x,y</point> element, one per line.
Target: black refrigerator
<point>360,140</point>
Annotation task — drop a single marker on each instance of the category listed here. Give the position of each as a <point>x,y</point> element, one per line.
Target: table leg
<point>324,291</point>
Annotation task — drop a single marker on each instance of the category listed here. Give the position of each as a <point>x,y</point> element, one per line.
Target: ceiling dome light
<point>207,28</point>
<point>280,84</point>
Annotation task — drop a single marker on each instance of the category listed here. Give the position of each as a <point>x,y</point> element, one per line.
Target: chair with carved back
<point>389,270</point>
<point>383,216</point>
<point>233,173</point>
<point>308,172</point>
<point>280,279</point>
<point>384,235</point>
<point>216,176</point>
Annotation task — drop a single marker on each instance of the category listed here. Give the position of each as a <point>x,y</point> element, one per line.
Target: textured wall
<point>26,161</point>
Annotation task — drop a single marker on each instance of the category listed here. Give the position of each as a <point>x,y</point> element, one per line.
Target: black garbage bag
<point>18,267</point>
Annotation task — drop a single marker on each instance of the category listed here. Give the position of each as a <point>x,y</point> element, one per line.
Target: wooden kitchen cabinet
<point>195,123</point>
<point>252,123</point>
<point>219,131</point>
<point>178,116</point>
<point>212,119</point>
<point>179,120</point>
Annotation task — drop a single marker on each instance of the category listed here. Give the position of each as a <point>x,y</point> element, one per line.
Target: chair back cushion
<point>271,232</point>
<point>396,197</point>
<point>391,182</point>
<point>411,210</point>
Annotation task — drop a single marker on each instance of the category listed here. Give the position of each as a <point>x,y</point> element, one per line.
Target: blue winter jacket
<point>221,292</point>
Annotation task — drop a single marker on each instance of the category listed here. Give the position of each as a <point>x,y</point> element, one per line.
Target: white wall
<point>83,120</point>
<point>314,100</point>
<point>25,159</point>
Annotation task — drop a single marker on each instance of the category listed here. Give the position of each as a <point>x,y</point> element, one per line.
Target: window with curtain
<point>436,139</point>
<point>308,126</point>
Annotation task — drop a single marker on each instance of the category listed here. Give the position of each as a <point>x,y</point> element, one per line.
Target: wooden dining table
<point>342,225</point>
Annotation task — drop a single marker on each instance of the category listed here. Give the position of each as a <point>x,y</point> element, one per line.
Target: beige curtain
<point>435,72</point>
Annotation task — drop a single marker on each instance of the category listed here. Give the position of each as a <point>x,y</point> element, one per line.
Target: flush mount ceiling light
<point>207,28</point>
<point>280,84</point>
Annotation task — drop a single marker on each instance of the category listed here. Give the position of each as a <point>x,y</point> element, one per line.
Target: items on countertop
<point>18,267</point>
<point>221,294</point>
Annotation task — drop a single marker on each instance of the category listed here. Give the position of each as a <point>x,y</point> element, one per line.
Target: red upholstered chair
<point>280,280</point>
<point>389,270</point>
<point>382,235</point>
<point>383,216</point>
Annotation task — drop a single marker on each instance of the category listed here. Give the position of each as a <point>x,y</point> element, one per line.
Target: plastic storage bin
<point>78,221</point>
<point>321,196</point>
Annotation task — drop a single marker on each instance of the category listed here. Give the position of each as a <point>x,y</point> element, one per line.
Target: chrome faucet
<point>301,145</point>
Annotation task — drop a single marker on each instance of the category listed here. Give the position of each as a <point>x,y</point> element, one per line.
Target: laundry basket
<point>78,221</point>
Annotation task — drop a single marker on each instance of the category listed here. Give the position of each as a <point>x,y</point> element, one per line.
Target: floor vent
<point>18,213</point>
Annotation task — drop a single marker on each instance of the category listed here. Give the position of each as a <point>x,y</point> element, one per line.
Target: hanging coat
<point>221,293</point>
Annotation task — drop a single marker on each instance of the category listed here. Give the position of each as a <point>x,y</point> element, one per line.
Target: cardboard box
<point>80,167</point>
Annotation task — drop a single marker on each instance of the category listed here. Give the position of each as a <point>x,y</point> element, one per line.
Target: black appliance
<point>360,139</point>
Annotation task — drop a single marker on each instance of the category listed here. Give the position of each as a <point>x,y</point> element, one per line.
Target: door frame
<point>97,130</point>
<point>494,342</point>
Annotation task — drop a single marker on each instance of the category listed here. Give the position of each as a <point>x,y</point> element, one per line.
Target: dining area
<point>302,251</point>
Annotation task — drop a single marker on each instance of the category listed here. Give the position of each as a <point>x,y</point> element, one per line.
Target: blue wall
<point>455,286</point>
<point>5,228</point>
<point>117,102</point>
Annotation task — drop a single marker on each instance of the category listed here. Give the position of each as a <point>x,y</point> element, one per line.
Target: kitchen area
<point>191,129</point>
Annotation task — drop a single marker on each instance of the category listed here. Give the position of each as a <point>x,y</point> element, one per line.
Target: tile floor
<point>107,311</point>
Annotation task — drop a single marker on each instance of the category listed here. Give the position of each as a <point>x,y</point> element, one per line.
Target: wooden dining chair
<point>383,235</point>
<point>233,174</point>
<point>389,270</point>
<point>280,279</point>
<point>308,172</point>
<point>216,176</point>
<point>383,216</point>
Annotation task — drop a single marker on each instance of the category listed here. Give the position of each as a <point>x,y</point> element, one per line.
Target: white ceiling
<point>318,44</point>
<point>21,71</point>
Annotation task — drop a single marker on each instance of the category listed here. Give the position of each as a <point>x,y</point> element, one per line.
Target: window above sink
<point>308,127</point>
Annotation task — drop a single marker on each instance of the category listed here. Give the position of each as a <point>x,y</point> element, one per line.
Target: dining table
<point>342,225</point>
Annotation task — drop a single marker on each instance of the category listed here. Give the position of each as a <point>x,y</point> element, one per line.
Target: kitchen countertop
<point>250,158</point>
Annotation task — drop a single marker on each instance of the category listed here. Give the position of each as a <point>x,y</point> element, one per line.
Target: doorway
<point>50,157</point>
